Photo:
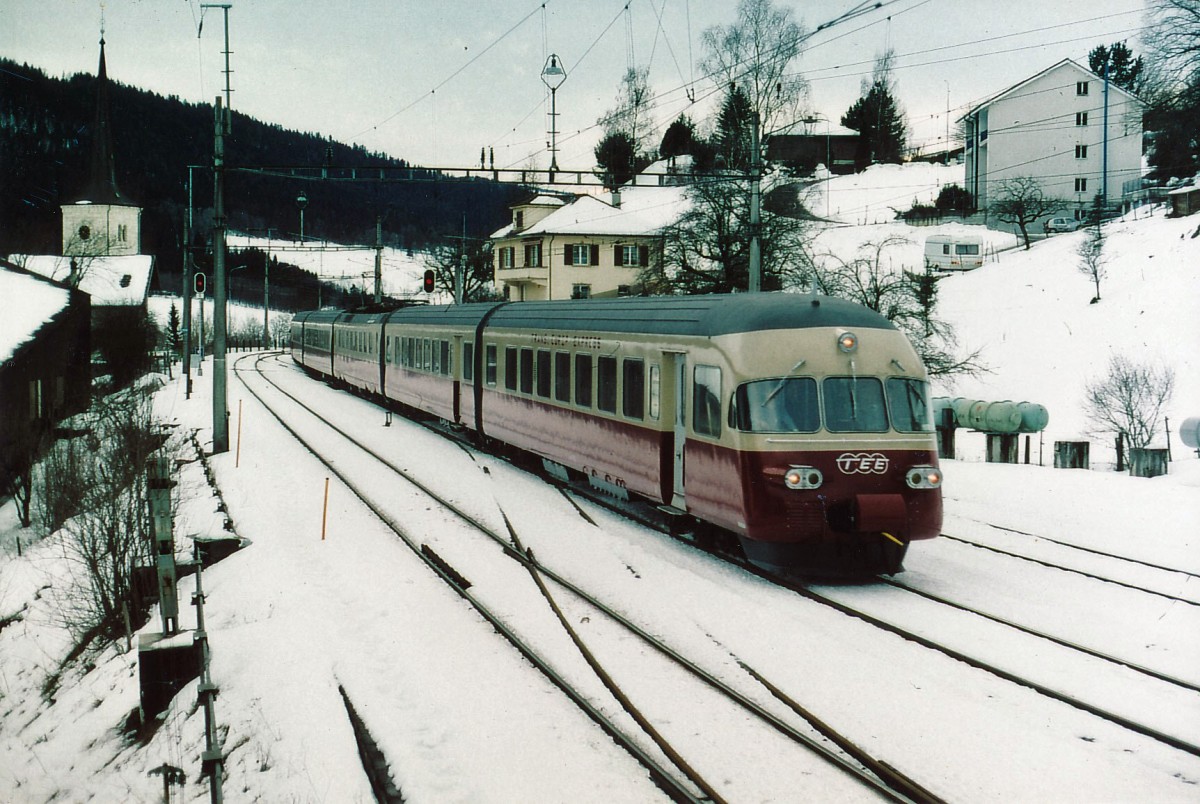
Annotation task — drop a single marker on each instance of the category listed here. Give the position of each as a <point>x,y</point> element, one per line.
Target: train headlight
<point>803,477</point>
<point>923,477</point>
<point>848,342</point>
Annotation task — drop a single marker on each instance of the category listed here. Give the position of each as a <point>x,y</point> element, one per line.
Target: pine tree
<point>734,130</point>
<point>878,119</point>
<point>1123,69</point>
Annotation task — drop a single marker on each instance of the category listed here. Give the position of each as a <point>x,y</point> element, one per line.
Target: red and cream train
<point>800,424</point>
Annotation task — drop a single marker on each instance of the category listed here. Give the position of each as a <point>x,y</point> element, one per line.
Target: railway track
<point>848,758</point>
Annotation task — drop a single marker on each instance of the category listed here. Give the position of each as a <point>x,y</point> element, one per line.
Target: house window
<point>519,218</point>
<point>1081,118</point>
<point>581,254</point>
<point>1081,152</point>
<point>85,232</point>
<point>624,290</point>
<point>1081,87</point>
<point>506,257</point>
<point>581,291</point>
<point>1081,185</point>
<point>533,255</point>
<point>122,232</point>
<point>631,255</point>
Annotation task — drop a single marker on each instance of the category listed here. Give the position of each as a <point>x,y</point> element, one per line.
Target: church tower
<point>102,223</point>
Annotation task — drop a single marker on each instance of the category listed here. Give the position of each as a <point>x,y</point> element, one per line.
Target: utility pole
<point>378,259</point>
<point>266,342</point>
<point>220,407</point>
<point>187,293</point>
<point>755,283</point>
<point>1104,166</point>
<point>460,275</point>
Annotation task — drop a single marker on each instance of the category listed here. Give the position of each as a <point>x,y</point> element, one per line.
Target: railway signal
<point>200,280</point>
<point>427,281</point>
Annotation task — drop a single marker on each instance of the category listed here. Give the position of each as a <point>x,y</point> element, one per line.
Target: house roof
<point>27,302</point>
<point>1065,62</point>
<point>643,211</point>
<point>110,281</point>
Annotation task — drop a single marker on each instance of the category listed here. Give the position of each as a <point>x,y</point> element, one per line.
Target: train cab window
<point>606,384</point>
<point>706,401</point>
<point>908,401</point>
<point>633,388</point>
<point>583,380</point>
<point>468,362</point>
<point>489,367</point>
<point>787,405</point>
<point>562,376</point>
<point>854,405</point>
<point>543,373</point>
<point>510,368</point>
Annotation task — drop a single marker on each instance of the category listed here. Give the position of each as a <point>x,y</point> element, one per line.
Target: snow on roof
<point>542,201</point>
<point>1071,62</point>
<point>643,211</point>
<point>26,304</point>
<point>110,281</point>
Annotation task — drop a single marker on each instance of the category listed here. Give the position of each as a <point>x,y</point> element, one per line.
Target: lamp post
<point>301,203</point>
<point>553,76</point>
<point>828,157</point>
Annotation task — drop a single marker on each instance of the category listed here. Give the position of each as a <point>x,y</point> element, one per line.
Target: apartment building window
<point>1081,152</point>
<point>1081,118</point>
<point>1081,87</point>
<point>533,255</point>
<point>579,291</point>
<point>1081,185</point>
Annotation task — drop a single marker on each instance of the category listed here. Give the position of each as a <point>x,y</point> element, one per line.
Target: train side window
<point>426,354</point>
<point>706,401</point>
<point>526,370</point>
<point>510,368</point>
<point>908,400</point>
<point>633,388</point>
<point>583,380</point>
<point>854,405</point>
<point>655,390</point>
<point>446,367</point>
<point>468,362</point>
<point>543,373</point>
<point>606,384</point>
<point>489,368</point>
<point>562,376</point>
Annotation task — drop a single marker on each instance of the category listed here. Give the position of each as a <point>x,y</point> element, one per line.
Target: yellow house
<point>585,246</point>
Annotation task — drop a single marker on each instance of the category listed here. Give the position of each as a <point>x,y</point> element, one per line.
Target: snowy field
<point>462,718</point>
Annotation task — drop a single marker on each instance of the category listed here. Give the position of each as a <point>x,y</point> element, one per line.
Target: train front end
<point>836,451</point>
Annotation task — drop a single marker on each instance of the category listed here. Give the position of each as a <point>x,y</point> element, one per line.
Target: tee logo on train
<point>862,463</point>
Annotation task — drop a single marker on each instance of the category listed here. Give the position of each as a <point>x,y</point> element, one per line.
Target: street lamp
<point>301,202</point>
<point>828,166</point>
<point>553,76</point>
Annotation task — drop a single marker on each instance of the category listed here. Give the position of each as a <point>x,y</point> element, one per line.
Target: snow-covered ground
<point>461,717</point>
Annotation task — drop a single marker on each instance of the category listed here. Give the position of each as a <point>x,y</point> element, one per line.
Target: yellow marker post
<point>325,509</point>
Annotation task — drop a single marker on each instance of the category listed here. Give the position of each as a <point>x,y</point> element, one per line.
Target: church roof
<point>102,177</point>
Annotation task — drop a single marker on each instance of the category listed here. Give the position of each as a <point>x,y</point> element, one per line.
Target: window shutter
<point>643,255</point>
<point>617,256</point>
<point>595,250</point>
<point>567,254</point>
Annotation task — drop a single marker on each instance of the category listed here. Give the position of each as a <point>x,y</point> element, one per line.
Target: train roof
<point>705,316</point>
<point>691,315</point>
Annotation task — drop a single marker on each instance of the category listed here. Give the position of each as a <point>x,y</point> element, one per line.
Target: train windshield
<point>909,401</point>
<point>787,405</point>
<point>854,405</point>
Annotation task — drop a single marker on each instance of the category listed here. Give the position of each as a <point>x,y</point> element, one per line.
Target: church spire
<point>102,183</point>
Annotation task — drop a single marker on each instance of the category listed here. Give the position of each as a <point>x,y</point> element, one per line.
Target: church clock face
<point>85,232</point>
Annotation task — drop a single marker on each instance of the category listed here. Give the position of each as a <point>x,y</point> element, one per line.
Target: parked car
<point>1061,225</point>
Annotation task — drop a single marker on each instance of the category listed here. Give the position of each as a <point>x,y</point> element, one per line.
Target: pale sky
<point>433,81</point>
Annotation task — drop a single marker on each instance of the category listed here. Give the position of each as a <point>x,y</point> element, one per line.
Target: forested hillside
<point>45,137</point>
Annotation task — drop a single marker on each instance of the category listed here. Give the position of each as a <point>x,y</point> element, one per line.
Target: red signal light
<point>427,282</point>
<point>200,281</point>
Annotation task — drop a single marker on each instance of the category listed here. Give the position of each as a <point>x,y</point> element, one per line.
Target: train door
<point>457,376</point>
<point>675,379</point>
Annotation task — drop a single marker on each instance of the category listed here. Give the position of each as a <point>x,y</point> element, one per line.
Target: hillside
<point>45,137</point>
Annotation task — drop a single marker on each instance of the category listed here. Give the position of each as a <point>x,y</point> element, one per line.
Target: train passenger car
<point>800,424</point>
<point>312,339</point>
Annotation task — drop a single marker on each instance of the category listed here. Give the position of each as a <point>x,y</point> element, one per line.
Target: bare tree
<point>444,259</point>
<point>755,54</point>
<point>633,113</point>
<point>1129,399</point>
<point>94,489</point>
<point>874,279</point>
<point>1091,250</point>
<point>1021,201</point>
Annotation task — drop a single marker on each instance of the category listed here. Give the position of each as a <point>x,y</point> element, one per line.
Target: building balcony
<point>523,273</point>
